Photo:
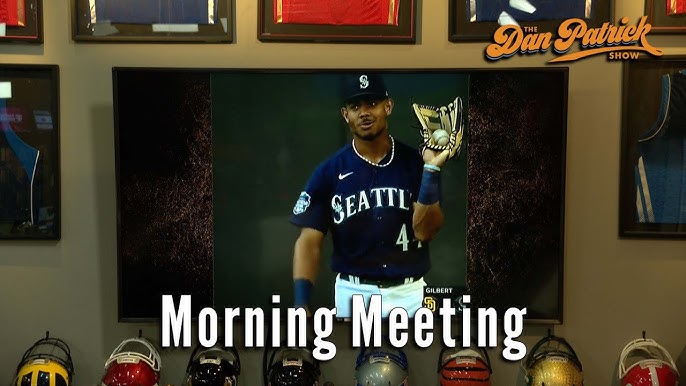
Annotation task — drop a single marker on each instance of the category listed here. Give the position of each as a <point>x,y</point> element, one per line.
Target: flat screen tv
<point>210,163</point>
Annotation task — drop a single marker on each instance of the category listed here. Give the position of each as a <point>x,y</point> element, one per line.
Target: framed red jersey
<point>21,21</point>
<point>12,13</point>
<point>332,12</point>
<point>666,16</point>
<point>676,7</point>
<point>326,21</point>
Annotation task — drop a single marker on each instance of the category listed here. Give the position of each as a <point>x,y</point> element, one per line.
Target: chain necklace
<point>374,163</point>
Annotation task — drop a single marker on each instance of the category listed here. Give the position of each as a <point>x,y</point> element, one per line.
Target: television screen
<point>214,167</point>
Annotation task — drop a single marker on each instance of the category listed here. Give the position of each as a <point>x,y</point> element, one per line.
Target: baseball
<point>440,137</point>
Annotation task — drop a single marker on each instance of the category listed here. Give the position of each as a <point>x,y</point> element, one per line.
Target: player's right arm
<point>312,215</point>
<point>307,255</point>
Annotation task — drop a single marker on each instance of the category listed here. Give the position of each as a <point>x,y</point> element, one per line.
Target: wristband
<point>430,189</point>
<point>432,167</point>
<point>303,291</point>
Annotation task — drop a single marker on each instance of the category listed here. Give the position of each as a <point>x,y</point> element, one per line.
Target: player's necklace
<point>374,163</point>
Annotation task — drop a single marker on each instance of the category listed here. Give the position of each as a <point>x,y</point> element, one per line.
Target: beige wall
<point>613,288</point>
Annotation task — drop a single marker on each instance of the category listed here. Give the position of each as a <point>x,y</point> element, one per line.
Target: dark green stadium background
<point>269,131</point>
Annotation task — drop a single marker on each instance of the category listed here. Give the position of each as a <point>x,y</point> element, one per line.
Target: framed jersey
<point>183,21</point>
<point>216,197</point>
<point>29,152</point>
<point>355,21</point>
<point>477,20</point>
<point>21,21</point>
<point>666,16</point>
<point>653,169</point>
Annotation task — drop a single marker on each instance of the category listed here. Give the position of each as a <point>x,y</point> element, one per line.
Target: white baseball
<point>440,137</point>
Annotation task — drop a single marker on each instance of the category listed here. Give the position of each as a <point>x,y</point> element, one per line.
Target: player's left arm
<point>427,220</point>
<point>428,217</point>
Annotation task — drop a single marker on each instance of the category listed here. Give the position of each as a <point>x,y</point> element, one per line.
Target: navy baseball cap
<point>364,86</point>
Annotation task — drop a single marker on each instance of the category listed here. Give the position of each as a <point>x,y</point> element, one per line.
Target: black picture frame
<point>645,210</point>
<point>85,30</point>
<point>30,29</point>
<point>175,177</point>
<point>461,28</point>
<point>404,32</point>
<point>29,152</point>
<point>661,22</point>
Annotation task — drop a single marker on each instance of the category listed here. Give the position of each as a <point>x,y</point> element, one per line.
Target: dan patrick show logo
<point>620,42</point>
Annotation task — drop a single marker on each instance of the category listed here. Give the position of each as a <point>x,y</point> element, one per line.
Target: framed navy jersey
<point>154,11</point>
<point>530,10</point>
<point>477,20</point>
<point>182,21</point>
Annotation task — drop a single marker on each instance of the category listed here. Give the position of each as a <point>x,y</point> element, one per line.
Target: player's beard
<point>369,135</point>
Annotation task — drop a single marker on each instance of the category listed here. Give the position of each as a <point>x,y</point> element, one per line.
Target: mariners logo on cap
<point>364,82</point>
<point>302,204</point>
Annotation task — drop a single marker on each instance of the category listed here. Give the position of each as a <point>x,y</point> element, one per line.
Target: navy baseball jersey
<point>368,210</point>
<point>490,10</point>
<point>156,11</point>
<point>660,173</point>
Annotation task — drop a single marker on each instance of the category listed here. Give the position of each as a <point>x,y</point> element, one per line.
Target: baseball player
<point>379,198</point>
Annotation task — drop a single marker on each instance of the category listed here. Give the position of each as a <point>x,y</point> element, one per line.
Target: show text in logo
<point>619,42</point>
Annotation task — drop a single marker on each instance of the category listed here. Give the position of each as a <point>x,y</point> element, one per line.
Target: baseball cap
<point>364,86</point>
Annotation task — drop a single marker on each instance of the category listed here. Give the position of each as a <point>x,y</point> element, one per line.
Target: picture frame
<point>26,25</point>
<point>397,24</point>
<point>29,152</point>
<point>463,26</point>
<point>648,198</point>
<point>181,220</point>
<point>112,21</point>
<point>661,22</point>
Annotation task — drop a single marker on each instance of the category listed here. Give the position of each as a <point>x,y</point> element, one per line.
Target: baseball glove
<point>433,119</point>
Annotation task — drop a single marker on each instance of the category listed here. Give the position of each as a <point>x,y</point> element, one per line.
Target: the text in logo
<point>619,42</point>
